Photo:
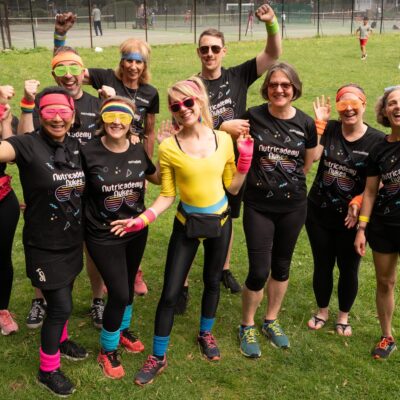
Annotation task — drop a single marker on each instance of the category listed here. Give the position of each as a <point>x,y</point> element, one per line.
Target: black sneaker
<point>208,346</point>
<point>72,351</point>
<point>96,311</point>
<point>181,305</point>
<point>36,314</point>
<point>384,348</point>
<point>56,382</point>
<point>230,282</point>
<point>151,368</point>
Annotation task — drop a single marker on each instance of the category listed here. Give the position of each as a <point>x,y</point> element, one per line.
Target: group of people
<point>84,163</point>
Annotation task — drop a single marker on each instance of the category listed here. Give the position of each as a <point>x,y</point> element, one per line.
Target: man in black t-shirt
<point>68,72</point>
<point>227,93</point>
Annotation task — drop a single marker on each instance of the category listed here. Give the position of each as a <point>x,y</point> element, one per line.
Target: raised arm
<point>7,152</point>
<point>63,23</point>
<point>322,112</point>
<point>25,123</point>
<point>273,48</point>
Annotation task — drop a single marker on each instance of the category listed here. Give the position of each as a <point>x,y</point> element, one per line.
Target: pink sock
<point>49,362</point>
<point>64,335</point>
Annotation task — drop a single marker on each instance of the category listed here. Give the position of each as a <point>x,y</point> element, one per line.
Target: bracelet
<point>320,125</point>
<point>363,218</point>
<point>272,27</point>
<point>59,40</point>
<point>27,106</point>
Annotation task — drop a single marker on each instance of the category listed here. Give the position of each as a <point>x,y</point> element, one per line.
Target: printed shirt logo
<point>269,164</point>
<point>120,193</point>
<point>114,203</point>
<point>73,184</point>
<point>42,276</point>
<point>340,174</point>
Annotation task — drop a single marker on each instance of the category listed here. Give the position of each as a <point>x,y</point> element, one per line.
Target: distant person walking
<point>364,31</point>
<point>96,15</point>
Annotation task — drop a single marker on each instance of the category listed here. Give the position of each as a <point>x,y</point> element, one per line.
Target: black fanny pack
<point>203,225</point>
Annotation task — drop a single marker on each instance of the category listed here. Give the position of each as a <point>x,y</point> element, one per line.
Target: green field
<point>319,365</point>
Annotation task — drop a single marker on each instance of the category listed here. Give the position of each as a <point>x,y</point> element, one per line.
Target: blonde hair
<point>133,45</point>
<point>193,87</point>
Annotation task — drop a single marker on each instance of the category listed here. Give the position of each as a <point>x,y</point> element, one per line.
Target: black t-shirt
<point>276,181</point>
<point>228,93</point>
<point>342,172</point>
<point>52,194</point>
<point>145,97</point>
<point>384,161</point>
<point>87,107</point>
<point>115,187</point>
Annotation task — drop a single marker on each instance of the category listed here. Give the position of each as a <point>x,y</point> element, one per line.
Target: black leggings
<point>9,215</point>
<point>181,253</point>
<point>59,308</point>
<point>118,264</point>
<point>271,239</point>
<point>330,246</point>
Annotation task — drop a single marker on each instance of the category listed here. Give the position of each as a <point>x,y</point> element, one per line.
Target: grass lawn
<point>319,365</point>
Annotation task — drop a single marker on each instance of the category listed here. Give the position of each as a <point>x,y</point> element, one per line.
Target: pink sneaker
<point>140,287</point>
<point>7,323</point>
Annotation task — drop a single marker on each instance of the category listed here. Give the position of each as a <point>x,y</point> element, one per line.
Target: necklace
<point>128,92</point>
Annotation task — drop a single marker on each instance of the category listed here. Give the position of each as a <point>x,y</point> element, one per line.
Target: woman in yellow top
<point>200,162</point>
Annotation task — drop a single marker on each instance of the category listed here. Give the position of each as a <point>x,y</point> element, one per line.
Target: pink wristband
<point>245,156</point>
<point>142,220</point>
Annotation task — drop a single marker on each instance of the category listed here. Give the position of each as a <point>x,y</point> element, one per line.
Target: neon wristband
<point>320,125</point>
<point>356,200</point>
<point>272,27</point>
<point>27,106</point>
<point>59,40</point>
<point>363,218</point>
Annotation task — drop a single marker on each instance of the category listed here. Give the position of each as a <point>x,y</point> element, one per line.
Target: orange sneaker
<point>110,364</point>
<point>7,323</point>
<point>140,287</point>
<point>131,343</point>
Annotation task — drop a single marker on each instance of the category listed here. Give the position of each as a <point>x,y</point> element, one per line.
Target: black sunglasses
<point>205,49</point>
<point>188,103</point>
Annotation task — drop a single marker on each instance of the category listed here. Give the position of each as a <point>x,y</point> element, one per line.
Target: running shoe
<point>183,300</point>
<point>72,351</point>
<point>56,382</point>
<point>230,282</point>
<point>274,332</point>
<point>7,323</point>
<point>131,342</point>
<point>151,368</point>
<point>384,348</point>
<point>36,314</point>
<point>140,287</point>
<point>249,346</point>
<point>96,311</point>
<point>110,364</point>
<point>208,346</point>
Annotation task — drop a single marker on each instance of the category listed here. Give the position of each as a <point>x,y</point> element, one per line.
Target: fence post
<point>32,24</point>
<point>381,17</point>
<point>7,25</point>
<point>318,21</point>
<point>240,20</point>
<point>282,18</point>
<point>194,15</point>
<point>219,15</point>
<point>90,23</point>
<point>352,16</point>
<point>1,27</point>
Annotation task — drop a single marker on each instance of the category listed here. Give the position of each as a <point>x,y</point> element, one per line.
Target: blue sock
<point>109,340</point>
<point>160,345</point>
<point>206,324</point>
<point>126,318</point>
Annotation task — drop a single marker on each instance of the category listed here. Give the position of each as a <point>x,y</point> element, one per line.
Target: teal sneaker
<point>248,342</point>
<point>274,332</point>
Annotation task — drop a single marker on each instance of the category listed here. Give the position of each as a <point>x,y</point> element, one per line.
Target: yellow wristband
<point>363,218</point>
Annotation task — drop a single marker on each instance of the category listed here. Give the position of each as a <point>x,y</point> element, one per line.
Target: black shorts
<point>383,238</point>
<point>235,202</point>
<point>53,269</point>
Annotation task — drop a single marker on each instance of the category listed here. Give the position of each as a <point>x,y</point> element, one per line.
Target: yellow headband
<point>67,56</point>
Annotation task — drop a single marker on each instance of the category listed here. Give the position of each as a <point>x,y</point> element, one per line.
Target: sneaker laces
<point>127,334</point>
<point>112,357</point>
<point>150,364</point>
<point>97,310</point>
<point>209,339</point>
<point>250,335</point>
<point>276,328</point>
<point>384,343</point>
<point>35,310</point>
<point>58,377</point>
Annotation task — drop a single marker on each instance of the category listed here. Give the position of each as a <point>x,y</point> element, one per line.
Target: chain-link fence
<point>29,23</point>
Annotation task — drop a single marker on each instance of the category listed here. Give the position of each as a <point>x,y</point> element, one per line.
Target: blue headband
<point>132,56</point>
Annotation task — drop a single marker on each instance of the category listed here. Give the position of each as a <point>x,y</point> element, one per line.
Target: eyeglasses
<point>345,183</point>
<point>63,70</point>
<point>188,103</point>
<point>342,105</point>
<point>51,113</point>
<point>269,165</point>
<point>214,48</point>
<point>114,203</point>
<point>284,85</point>
<point>110,117</point>
<point>63,193</point>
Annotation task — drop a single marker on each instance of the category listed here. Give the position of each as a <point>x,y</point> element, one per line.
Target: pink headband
<point>351,89</point>
<point>192,85</point>
<point>53,99</point>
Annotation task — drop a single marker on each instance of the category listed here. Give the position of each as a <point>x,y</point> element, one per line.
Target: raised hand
<point>106,91</point>
<point>165,130</point>
<point>322,108</point>
<point>6,93</point>
<point>64,22</point>
<point>30,89</point>
<point>265,13</point>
